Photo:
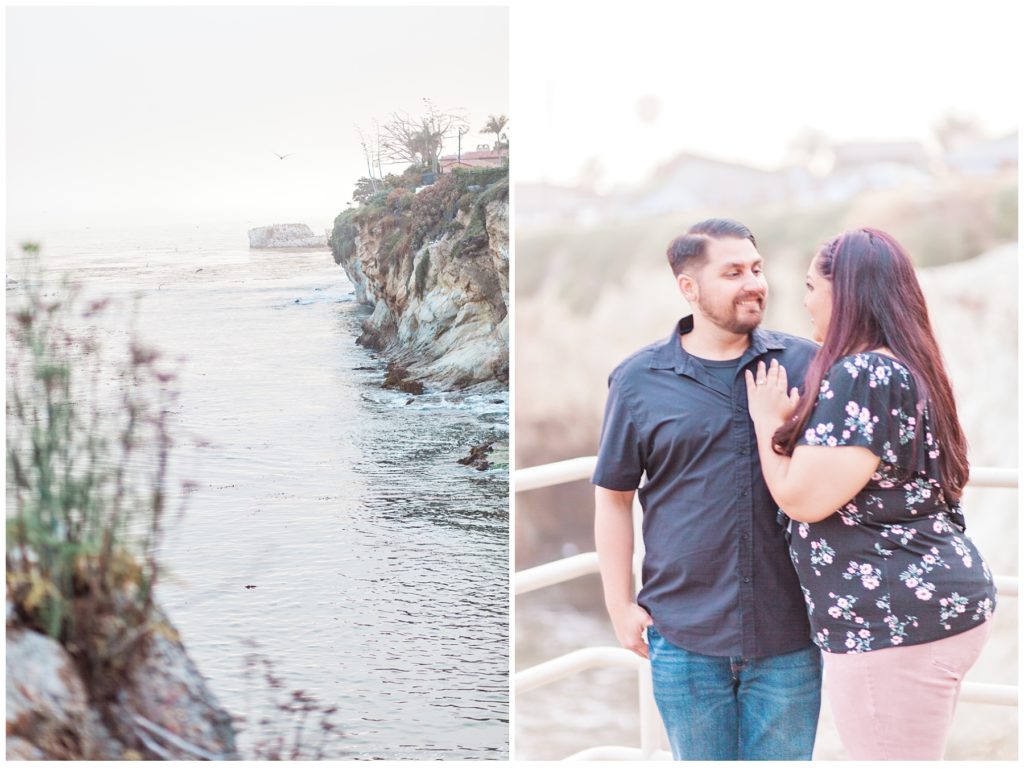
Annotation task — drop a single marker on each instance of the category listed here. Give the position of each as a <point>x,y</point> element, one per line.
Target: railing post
<point>650,720</point>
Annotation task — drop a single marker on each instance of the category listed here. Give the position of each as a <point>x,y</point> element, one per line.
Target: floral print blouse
<point>893,566</point>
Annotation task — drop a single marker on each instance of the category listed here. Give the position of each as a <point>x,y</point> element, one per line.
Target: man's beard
<point>729,320</point>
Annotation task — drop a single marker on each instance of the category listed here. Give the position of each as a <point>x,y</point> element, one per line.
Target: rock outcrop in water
<point>162,708</point>
<point>286,235</point>
<point>434,266</point>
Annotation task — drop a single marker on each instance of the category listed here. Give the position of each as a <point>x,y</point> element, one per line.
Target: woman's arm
<point>816,481</point>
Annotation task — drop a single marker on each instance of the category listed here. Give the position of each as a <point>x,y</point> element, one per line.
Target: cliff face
<point>440,309</point>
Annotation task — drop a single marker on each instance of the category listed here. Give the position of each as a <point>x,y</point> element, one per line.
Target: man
<point>735,673</point>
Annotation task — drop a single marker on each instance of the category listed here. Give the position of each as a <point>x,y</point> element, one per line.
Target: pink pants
<point>898,703</point>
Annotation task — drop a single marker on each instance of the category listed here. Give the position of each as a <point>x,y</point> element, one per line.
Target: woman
<point>869,465</point>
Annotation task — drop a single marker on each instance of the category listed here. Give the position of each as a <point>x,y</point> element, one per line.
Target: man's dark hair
<point>688,253</point>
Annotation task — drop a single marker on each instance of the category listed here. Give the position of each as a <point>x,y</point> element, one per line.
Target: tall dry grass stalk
<point>89,441</point>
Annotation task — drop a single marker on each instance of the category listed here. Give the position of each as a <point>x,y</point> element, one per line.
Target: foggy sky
<point>165,115</point>
<point>738,80</point>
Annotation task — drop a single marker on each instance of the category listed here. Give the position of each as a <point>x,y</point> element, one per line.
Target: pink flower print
<point>864,633</point>
<point>821,638</point>
<point>923,593</point>
<point>940,526</point>
<point>896,640</point>
<point>850,643</point>
<point>911,582</point>
<point>834,612</point>
<point>983,610</point>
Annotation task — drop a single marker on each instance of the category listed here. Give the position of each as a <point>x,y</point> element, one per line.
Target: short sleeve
<point>861,403</point>
<point>620,456</point>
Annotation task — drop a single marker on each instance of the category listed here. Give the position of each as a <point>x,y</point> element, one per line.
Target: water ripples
<point>332,525</point>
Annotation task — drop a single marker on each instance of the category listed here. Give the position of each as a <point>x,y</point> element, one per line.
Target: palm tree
<point>495,125</point>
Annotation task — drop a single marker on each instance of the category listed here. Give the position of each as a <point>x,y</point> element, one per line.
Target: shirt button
<point>743,492</point>
<point>746,579</point>
<point>744,450</point>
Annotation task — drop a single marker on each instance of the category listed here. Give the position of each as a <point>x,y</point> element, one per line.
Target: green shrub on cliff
<point>343,236</point>
<point>475,235</point>
<point>407,221</point>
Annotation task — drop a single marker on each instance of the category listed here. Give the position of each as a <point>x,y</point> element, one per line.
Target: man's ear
<point>687,286</point>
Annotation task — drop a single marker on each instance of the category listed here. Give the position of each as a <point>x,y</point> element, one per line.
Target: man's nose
<point>753,282</point>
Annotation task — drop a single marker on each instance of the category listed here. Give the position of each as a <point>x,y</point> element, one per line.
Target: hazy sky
<point>738,80</point>
<point>164,115</point>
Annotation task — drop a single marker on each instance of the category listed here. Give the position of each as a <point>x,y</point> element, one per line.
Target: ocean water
<point>332,532</point>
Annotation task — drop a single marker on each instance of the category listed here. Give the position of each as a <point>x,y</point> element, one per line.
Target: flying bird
<point>282,158</point>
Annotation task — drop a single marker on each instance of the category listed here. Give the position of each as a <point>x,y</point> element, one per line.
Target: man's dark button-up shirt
<point>717,577</point>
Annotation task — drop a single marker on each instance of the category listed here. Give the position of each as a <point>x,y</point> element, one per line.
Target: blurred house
<point>690,182</point>
<point>867,166</point>
<point>483,156</point>
<point>983,156</point>
<point>539,205</point>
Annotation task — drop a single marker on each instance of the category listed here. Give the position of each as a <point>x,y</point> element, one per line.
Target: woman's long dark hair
<point>877,302</point>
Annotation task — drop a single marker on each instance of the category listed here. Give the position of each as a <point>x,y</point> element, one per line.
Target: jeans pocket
<point>958,653</point>
<point>652,636</point>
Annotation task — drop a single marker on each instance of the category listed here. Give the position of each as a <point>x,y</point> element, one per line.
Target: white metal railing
<point>652,734</point>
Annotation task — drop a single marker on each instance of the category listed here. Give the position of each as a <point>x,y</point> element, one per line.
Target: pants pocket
<point>958,653</point>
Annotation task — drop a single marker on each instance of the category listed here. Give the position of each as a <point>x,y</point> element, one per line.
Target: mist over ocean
<point>332,531</point>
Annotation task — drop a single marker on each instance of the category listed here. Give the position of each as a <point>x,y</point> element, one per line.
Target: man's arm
<point>613,534</point>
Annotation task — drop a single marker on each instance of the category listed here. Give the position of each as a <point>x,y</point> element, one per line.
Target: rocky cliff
<point>434,266</point>
<point>162,708</point>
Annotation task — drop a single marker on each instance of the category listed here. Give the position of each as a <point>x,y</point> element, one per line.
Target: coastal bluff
<point>285,235</point>
<point>434,266</point>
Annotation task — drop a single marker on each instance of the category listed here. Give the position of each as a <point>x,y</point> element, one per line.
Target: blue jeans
<point>729,708</point>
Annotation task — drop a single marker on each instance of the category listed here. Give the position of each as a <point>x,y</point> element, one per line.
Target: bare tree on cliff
<point>496,126</point>
<point>369,158</point>
<point>407,140</point>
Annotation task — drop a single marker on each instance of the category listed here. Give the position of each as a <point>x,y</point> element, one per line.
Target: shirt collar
<point>671,355</point>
